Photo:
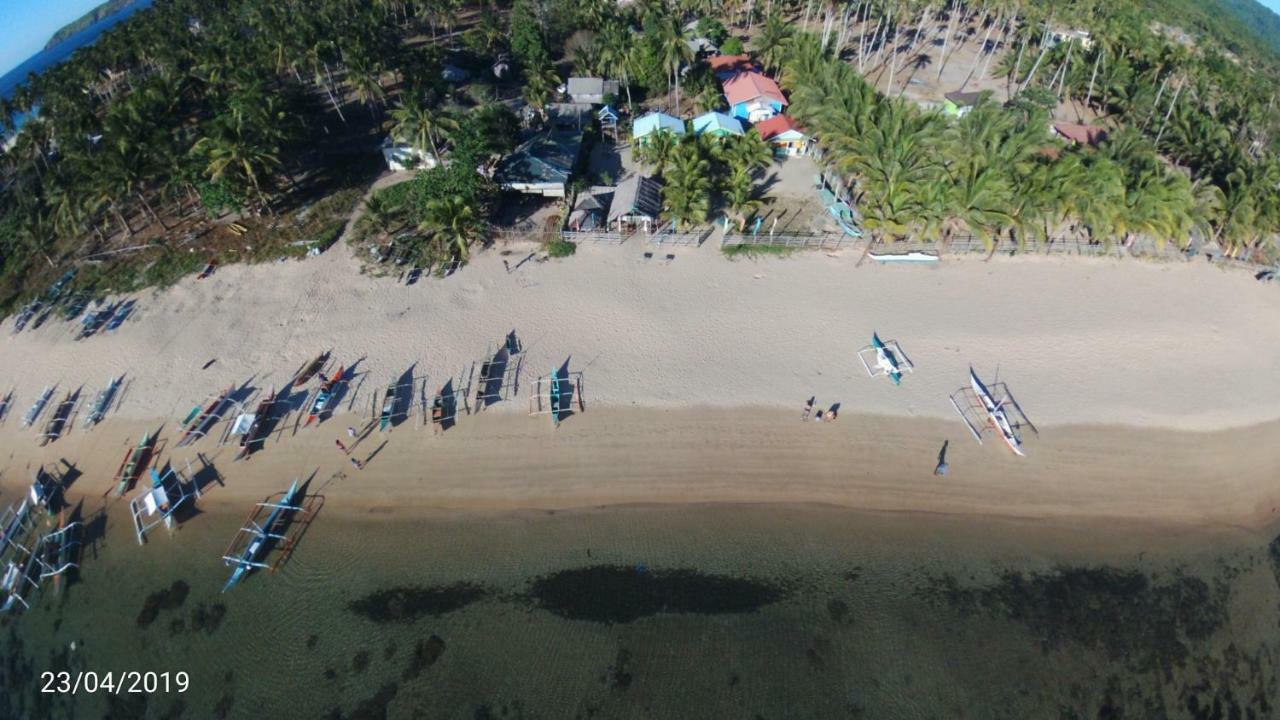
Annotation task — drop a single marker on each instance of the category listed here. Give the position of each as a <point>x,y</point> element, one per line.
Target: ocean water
<point>668,612</point>
<point>45,59</point>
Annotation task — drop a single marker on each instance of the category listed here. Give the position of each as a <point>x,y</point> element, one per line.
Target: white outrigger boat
<point>984,406</point>
<point>890,361</point>
<point>37,407</point>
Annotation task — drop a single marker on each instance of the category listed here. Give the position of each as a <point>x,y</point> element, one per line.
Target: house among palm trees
<point>957,104</point>
<point>784,135</point>
<point>717,125</point>
<point>1066,35</point>
<point>401,156</point>
<point>542,165</point>
<point>636,205</point>
<point>726,66</point>
<point>754,96</point>
<point>646,126</point>
<point>590,90</point>
<point>1077,134</point>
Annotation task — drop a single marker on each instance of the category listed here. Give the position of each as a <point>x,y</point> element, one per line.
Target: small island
<point>101,12</point>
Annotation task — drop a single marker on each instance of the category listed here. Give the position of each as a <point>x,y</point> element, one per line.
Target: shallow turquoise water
<point>706,612</point>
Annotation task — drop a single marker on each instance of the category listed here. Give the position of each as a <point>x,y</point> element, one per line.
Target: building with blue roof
<point>717,124</point>
<point>647,126</point>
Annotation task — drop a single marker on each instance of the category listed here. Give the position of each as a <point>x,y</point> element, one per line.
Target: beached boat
<point>14,523</point>
<point>250,436</point>
<point>134,461</point>
<point>44,486</point>
<point>120,315</point>
<point>5,404</point>
<point>59,552</point>
<point>160,502</point>
<point>24,316</point>
<point>311,369</point>
<point>37,407</point>
<point>16,582</point>
<point>321,403</point>
<point>103,401</point>
<point>907,257</point>
<point>388,407</point>
<point>260,538</point>
<point>996,414</point>
<point>58,421</point>
<point>193,429</point>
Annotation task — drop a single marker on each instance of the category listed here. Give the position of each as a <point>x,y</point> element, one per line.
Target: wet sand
<point>498,461</point>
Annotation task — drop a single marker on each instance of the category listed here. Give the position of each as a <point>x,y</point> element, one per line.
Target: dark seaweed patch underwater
<point>618,594</point>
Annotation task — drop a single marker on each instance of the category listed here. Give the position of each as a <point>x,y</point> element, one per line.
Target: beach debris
<point>982,412</point>
<point>889,359</point>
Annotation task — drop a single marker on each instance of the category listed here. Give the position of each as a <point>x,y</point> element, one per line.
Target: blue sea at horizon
<point>46,59</point>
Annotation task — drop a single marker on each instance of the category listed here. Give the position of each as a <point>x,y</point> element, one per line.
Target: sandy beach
<point>1154,386</point>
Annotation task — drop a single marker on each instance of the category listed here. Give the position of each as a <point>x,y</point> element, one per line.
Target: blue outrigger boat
<point>259,539</point>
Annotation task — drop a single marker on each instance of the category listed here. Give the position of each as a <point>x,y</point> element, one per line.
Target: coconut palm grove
<point>249,130</point>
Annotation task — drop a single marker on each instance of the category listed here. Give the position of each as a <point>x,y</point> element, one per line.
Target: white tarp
<point>242,424</point>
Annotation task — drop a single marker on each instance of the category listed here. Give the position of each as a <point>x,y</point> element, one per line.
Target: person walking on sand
<point>341,447</point>
<point>941,468</point>
<point>808,408</point>
<point>357,464</point>
<point>351,432</point>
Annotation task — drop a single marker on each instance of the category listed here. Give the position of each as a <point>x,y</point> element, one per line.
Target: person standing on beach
<point>357,464</point>
<point>941,468</point>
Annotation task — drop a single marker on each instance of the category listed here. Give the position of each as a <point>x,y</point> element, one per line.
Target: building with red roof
<point>785,135</point>
<point>753,96</point>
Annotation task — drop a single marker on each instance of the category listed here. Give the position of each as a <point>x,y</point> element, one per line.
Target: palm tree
<point>749,152</point>
<point>423,127</point>
<point>381,216</point>
<point>658,151</point>
<point>674,52</point>
<point>540,82</point>
<point>740,197</point>
<point>771,43</point>
<point>615,55</point>
<point>686,190</point>
<point>454,222</point>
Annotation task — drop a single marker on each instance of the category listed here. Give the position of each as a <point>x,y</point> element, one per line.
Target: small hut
<point>637,204</point>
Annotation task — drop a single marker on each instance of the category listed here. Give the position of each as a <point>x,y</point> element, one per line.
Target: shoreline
<point>503,463</point>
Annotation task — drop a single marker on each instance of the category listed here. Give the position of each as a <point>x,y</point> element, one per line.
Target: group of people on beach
<point>828,415</point>
<point>355,462</point>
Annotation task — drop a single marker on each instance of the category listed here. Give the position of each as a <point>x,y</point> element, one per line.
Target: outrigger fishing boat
<point>193,427</point>
<point>311,369</point>
<point>37,407</point>
<point>388,407</point>
<point>24,316</point>
<point>5,403</point>
<point>996,414</point>
<point>250,436</point>
<point>120,315</point>
<point>321,403</point>
<point>59,551</point>
<point>44,487</point>
<point>13,524</point>
<point>890,361</point>
<point>160,502</point>
<point>102,402</point>
<point>208,269</point>
<point>16,583</point>
<point>259,538</point>
<point>58,421</point>
<point>134,461</point>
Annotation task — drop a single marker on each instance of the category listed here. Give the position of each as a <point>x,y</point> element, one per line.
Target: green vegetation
<point>560,248</point>
<point>105,10</point>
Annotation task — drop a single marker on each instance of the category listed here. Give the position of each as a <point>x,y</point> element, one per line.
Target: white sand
<point>1080,341</point>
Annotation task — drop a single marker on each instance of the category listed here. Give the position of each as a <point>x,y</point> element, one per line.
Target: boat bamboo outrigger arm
<point>885,359</point>
<point>557,395</point>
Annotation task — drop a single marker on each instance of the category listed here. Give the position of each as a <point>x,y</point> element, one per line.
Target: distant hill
<point>1260,21</point>
<point>104,10</point>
